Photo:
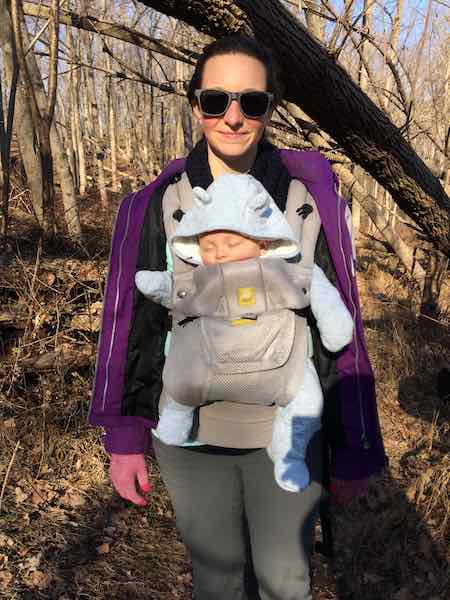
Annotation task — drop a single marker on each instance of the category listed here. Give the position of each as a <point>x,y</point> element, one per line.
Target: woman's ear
<point>197,113</point>
<point>266,122</point>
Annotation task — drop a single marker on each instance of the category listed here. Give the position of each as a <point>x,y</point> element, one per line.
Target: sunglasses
<point>215,103</point>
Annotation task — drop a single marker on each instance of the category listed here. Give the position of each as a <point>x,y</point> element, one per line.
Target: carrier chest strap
<point>242,289</point>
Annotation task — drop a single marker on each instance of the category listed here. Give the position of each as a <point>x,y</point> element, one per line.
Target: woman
<point>222,485</point>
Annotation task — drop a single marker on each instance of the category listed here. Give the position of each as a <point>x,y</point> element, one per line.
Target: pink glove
<point>124,470</point>
<point>343,491</point>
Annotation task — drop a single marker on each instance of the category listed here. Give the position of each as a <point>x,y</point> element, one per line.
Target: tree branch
<point>325,91</point>
<point>113,30</point>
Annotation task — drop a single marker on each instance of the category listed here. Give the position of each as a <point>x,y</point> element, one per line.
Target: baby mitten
<point>175,423</point>
<point>334,321</point>
<point>155,285</point>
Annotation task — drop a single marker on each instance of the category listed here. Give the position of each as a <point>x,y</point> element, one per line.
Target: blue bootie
<point>291,472</point>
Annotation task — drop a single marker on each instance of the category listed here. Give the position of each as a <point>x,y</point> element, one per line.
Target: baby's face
<point>226,246</point>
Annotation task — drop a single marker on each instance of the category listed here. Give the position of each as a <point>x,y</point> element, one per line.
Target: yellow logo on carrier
<point>243,321</point>
<point>246,296</point>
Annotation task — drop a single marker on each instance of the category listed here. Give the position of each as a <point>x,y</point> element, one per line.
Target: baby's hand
<point>334,321</point>
<point>155,285</point>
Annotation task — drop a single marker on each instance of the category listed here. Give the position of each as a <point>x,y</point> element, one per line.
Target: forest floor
<point>65,535</point>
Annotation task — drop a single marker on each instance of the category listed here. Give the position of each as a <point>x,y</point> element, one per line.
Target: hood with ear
<point>237,203</point>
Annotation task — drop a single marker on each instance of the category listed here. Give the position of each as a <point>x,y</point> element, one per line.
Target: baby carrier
<point>258,365</point>
<point>211,356</point>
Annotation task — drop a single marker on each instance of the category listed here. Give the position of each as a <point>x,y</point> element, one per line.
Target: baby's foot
<point>292,475</point>
<point>175,424</point>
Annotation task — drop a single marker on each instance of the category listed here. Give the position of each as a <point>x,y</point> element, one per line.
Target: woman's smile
<point>233,135</point>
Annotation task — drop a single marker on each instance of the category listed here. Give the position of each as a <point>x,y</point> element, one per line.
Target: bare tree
<point>26,135</point>
<point>95,25</point>
<point>369,203</point>
<point>324,90</point>
<point>41,119</point>
<point>23,122</point>
<point>150,115</point>
<point>94,121</point>
<point>6,129</point>
<point>75,124</point>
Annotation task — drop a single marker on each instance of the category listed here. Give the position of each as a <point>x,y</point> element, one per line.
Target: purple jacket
<point>360,453</point>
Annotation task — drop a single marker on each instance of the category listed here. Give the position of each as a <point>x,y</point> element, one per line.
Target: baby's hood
<point>237,203</point>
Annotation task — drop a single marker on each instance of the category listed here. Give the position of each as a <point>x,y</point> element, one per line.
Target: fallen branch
<point>67,356</point>
<point>8,470</point>
<point>15,319</point>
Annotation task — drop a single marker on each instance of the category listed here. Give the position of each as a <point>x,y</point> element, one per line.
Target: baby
<point>241,240</point>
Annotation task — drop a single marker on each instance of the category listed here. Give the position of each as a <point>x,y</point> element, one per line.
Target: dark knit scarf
<point>267,168</point>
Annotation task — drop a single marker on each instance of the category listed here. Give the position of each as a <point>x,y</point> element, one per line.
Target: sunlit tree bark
<point>95,123</point>
<point>323,89</point>
<point>75,107</point>
<point>60,162</point>
<point>23,121</point>
<point>6,119</point>
<point>41,121</point>
<point>370,205</point>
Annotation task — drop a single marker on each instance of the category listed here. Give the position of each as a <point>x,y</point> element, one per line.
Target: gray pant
<point>213,494</point>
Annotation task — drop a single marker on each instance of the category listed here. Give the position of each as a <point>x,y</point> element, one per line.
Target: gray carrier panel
<point>250,347</point>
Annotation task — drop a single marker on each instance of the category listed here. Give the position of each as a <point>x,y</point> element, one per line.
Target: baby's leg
<point>294,426</point>
<point>175,423</point>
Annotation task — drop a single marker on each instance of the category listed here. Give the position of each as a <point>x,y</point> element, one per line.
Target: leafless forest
<point>92,107</point>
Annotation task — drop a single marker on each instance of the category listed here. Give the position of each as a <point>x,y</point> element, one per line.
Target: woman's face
<point>233,138</point>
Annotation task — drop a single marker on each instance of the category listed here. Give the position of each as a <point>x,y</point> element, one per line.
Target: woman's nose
<point>233,116</point>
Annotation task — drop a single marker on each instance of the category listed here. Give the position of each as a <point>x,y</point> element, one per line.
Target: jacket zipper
<point>364,440</point>
<point>116,303</point>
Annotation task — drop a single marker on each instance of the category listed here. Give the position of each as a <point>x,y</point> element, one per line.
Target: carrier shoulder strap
<point>303,216</point>
<point>178,199</point>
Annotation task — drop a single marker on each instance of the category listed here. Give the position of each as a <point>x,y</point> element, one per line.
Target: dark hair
<point>238,44</point>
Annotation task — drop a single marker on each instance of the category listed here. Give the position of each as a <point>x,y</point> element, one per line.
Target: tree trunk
<point>40,124</point>
<point>178,107</point>
<point>326,92</point>
<point>436,269</point>
<point>356,219</point>
<point>363,80</point>
<point>381,221</point>
<point>316,25</point>
<point>23,121</point>
<point>445,103</point>
<point>392,48</point>
<point>68,191</point>
<point>29,153</point>
<point>59,156</point>
<point>6,126</point>
<point>112,130</point>
<point>420,49</point>
<point>96,127</point>
<point>369,204</point>
<point>75,109</point>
